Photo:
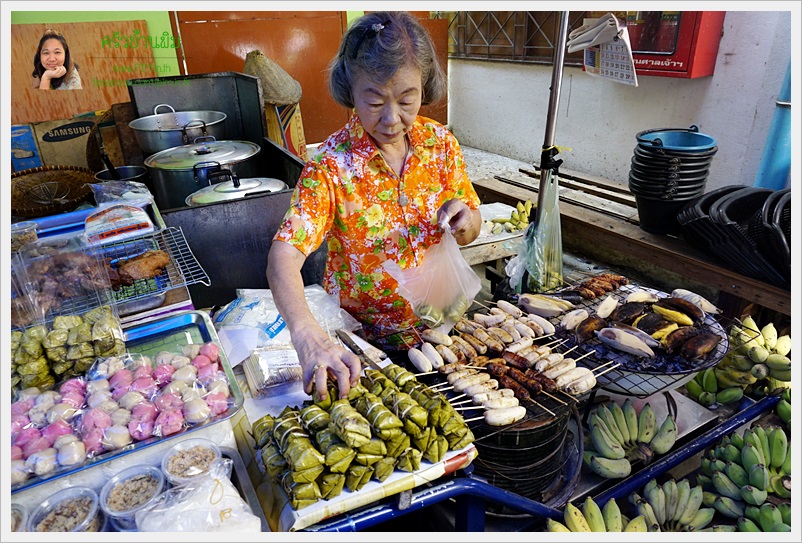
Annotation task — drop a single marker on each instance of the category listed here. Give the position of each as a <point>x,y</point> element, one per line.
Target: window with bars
<point>515,36</point>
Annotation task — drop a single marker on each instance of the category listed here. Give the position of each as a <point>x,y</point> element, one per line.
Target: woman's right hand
<point>55,73</point>
<point>320,357</point>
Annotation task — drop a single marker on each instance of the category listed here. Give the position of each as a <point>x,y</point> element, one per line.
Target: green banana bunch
<point>784,407</point>
<point>672,507</point>
<point>619,435</point>
<point>708,390</point>
<point>760,352</point>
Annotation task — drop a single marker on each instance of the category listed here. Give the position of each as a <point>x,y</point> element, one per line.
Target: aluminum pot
<point>162,131</point>
<point>178,172</point>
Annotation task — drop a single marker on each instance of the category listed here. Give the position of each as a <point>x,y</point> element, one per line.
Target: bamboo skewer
<point>544,408</point>
<point>425,373</point>
<point>611,368</point>
<point>466,408</point>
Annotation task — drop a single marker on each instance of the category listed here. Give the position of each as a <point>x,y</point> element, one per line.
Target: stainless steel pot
<point>234,189</point>
<point>178,172</point>
<point>162,131</point>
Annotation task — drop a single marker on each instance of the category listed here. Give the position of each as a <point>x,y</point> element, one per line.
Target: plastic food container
<point>188,459</point>
<point>74,509</point>
<point>19,518</point>
<point>129,491</point>
<point>22,233</point>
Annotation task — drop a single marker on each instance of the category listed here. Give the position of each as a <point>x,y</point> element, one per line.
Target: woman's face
<point>388,111</point>
<point>52,54</point>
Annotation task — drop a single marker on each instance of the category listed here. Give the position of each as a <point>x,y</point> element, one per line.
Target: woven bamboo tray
<point>49,190</point>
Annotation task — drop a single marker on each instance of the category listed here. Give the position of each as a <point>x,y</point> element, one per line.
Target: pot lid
<point>185,157</point>
<point>228,190</point>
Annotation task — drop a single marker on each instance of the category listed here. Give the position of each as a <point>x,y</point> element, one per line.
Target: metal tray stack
<point>737,224</point>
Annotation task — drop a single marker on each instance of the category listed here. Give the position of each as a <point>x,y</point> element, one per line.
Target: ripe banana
<point>752,330</point>
<point>778,362</point>
<point>637,524</point>
<point>760,371</point>
<point>610,468</point>
<point>555,526</point>
<point>769,333</point>
<point>593,515</point>
<point>645,509</point>
<point>646,424</point>
<point>611,514</point>
<point>783,345</point>
<point>574,519</point>
<point>672,315</point>
<point>758,354</point>
<point>665,437</point>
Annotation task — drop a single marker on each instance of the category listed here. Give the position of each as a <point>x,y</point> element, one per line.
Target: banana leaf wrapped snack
<point>80,334</point>
<point>384,468</point>
<point>384,423</point>
<point>107,335</point>
<point>429,400</point>
<point>376,382</point>
<point>397,374</point>
<point>453,422</point>
<point>274,462</point>
<point>55,338</point>
<point>305,461</point>
<point>426,437</point>
<point>371,452</point>
<point>80,350</point>
<point>314,418</point>
<point>301,494</point>
<point>409,460</point>
<point>414,417</point>
<point>460,439</point>
<point>262,430</point>
<point>348,424</point>
<point>65,322</point>
<point>331,485</point>
<point>357,476</point>
<point>397,445</point>
<point>437,449</point>
<point>338,455</point>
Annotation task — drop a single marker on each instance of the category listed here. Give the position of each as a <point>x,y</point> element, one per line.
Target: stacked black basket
<point>670,166</point>
<point>749,228</point>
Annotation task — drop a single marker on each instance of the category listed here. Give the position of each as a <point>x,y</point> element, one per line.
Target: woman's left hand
<point>465,223</point>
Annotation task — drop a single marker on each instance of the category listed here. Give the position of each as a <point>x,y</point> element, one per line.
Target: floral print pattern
<point>348,197</point>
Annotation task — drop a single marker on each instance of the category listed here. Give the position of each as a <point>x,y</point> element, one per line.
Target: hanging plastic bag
<point>442,288</point>
<point>541,253</point>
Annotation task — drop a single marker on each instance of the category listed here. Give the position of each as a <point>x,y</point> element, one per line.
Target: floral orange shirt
<point>348,197</point>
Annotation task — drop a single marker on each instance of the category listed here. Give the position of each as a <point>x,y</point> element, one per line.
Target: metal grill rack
<point>635,376</point>
<point>183,268</point>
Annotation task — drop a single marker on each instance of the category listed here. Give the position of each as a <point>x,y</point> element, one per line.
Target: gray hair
<point>380,43</point>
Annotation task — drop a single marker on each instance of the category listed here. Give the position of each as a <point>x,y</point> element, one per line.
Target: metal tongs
<point>348,341</point>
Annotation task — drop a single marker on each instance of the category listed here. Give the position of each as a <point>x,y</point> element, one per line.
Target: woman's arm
<point>465,223</point>
<point>314,347</point>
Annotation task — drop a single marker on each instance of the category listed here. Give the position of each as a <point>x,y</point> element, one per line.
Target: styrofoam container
<point>188,469</point>
<point>92,521</point>
<point>125,520</point>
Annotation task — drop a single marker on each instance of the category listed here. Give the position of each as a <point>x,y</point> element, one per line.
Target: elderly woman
<point>381,188</point>
<point>53,69</point>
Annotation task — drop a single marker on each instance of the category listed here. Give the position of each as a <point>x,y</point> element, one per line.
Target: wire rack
<point>630,375</point>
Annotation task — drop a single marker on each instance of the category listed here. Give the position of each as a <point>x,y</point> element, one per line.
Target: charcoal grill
<point>633,376</point>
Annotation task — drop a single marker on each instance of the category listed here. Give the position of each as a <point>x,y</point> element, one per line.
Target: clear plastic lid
<point>188,459</point>
<point>74,509</point>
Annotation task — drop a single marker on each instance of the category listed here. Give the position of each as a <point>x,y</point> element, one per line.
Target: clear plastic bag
<point>541,254</point>
<point>127,191</point>
<point>442,288</point>
<point>208,503</point>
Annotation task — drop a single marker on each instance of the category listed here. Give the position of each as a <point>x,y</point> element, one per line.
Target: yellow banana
<point>593,515</point>
<point>673,315</point>
<point>555,526</point>
<point>637,524</point>
<point>574,519</point>
<point>611,514</point>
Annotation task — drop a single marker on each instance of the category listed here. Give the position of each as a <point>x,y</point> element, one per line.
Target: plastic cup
<point>61,512</point>
<point>19,518</point>
<point>123,516</point>
<point>22,233</point>
<point>189,459</point>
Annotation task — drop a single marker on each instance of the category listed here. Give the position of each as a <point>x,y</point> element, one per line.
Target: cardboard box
<point>63,142</point>
<point>286,128</point>
<point>24,151</point>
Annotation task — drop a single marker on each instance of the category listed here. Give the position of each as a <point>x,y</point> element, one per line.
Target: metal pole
<point>551,116</point>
